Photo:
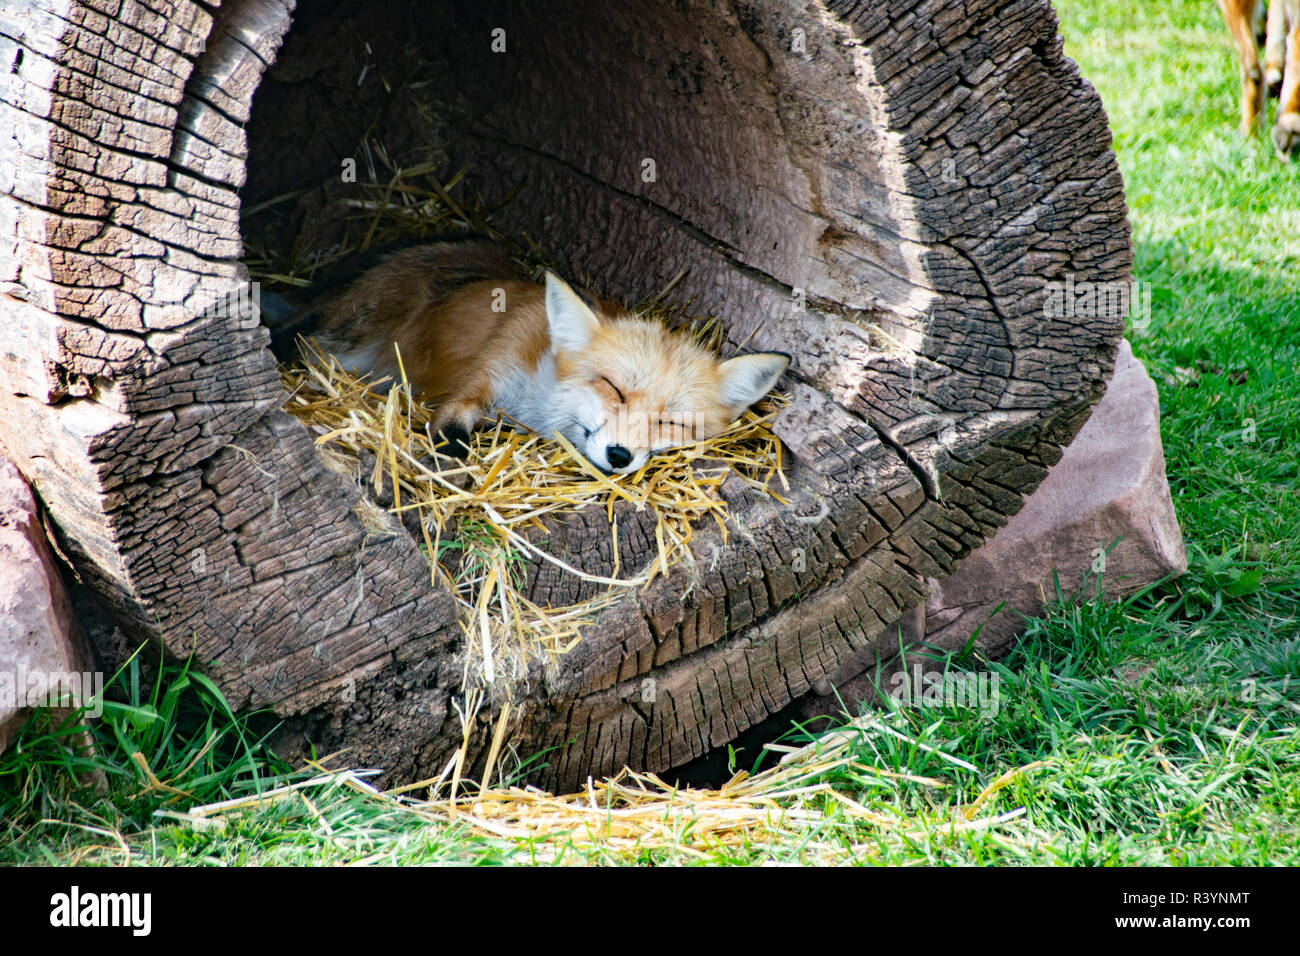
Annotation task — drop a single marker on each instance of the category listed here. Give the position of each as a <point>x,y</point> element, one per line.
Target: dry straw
<point>478,520</point>
<point>793,802</point>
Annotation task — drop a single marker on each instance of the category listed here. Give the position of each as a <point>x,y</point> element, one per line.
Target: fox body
<point>475,339</point>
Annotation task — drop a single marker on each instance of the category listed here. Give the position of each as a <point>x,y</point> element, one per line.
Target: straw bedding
<point>478,520</point>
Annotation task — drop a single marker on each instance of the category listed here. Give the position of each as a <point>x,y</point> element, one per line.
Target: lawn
<point>1164,729</point>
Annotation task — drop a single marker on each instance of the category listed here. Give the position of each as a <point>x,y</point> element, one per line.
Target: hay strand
<point>481,511</point>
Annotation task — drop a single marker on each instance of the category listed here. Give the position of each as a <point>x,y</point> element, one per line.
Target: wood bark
<point>884,190</point>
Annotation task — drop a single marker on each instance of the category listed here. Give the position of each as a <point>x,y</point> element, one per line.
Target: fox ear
<point>571,320</point>
<point>747,378</point>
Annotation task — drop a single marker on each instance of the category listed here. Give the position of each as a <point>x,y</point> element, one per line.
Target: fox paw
<point>452,440</point>
<point>451,446</point>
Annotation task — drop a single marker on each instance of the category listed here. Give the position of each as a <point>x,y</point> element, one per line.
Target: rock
<point>39,639</point>
<point>1103,516</point>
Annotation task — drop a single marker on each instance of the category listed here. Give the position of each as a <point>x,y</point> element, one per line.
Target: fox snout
<point>613,457</point>
<point>623,440</point>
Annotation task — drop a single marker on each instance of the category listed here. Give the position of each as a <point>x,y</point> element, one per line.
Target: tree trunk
<point>885,190</point>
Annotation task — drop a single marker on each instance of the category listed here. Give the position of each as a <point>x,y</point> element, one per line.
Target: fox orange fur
<point>476,340</point>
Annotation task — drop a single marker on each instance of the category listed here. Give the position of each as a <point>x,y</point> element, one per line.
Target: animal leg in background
<point>1286,129</point>
<point>1275,47</point>
<point>1240,16</point>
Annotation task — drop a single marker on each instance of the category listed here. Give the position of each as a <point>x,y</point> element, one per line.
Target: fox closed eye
<point>617,390</point>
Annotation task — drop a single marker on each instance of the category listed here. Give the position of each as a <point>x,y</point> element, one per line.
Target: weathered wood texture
<point>883,190</point>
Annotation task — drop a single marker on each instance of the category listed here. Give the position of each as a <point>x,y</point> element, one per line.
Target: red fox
<point>474,339</point>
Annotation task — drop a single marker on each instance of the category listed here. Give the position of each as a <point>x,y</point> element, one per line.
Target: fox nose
<point>618,456</point>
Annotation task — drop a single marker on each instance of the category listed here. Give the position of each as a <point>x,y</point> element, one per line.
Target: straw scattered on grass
<point>791,802</point>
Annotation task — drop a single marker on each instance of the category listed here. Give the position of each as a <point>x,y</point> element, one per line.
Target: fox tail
<point>451,261</point>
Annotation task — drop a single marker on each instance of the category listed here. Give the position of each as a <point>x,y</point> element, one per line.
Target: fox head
<point>627,388</point>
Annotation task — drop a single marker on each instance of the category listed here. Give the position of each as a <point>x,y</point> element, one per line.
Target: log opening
<point>885,191</point>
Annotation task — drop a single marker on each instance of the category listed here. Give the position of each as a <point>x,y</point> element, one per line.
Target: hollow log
<point>894,192</point>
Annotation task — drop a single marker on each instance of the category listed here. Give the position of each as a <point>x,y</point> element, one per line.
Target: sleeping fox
<point>476,340</point>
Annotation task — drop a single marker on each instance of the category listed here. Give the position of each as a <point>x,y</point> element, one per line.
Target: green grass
<point>1163,729</point>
